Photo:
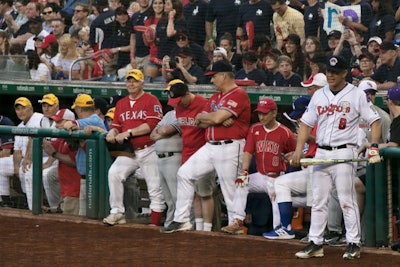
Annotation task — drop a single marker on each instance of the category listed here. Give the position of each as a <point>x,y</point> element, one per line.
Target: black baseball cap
<point>385,46</point>
<point>176,90</point>
<point>219,66</point>
<point>335,34</point>
<point>336,64</point>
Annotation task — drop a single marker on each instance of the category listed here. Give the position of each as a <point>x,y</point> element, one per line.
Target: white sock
<point>207,227</point>
<point>199,224</point>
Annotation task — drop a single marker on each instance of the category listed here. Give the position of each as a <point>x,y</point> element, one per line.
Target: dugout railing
<point>382,199</point>
<point>98,161</point>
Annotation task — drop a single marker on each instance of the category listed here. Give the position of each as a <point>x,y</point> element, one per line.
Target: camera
<point>83,43</point>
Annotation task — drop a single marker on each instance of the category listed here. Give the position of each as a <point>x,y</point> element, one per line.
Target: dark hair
<point>152,14</point>
<point>227,36</point>
<point>56,8</point>
<point>17,49</point>
<point>33,59</point>
<point>23,2</point>
<point>385,7</point>
<point>9,2</point>
<point>273,2</point>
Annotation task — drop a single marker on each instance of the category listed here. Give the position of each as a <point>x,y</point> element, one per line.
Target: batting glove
<point>373,155</point>
<point>243,179</point>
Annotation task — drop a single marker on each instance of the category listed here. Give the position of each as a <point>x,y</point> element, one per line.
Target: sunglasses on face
<point>181,38</point>
<point>47,13</point>
<point>77,10</point>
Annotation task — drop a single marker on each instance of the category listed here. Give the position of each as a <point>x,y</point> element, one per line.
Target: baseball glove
<point>125,149</point>
<point>243,179</point>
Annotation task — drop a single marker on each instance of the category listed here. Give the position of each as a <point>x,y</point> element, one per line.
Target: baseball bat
<point>309,161</point>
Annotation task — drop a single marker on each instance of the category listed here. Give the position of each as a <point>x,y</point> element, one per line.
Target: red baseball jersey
<point>237,102</point>
<point>192,136</point>
<point>70,179</point>
<point>132,113</point>
<point>268,146</point>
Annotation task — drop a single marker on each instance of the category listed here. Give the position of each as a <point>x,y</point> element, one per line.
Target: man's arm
<point>204,120</point>
<point>246,161</point>
<point>163,131</point>
<point>210,43</point>
<point>302,137</point>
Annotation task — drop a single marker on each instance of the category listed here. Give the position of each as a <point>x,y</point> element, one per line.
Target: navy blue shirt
<point>260,14</point>
<point>379,26</point>
<point>195,16</point>
<point>256,75</point>
<point>385,73</point>
<point>294,81</point>
<point>138,20</point>
<point>121,37</point>
<point>103,24</point>
<point>165,43</point>
<point>272,78</point>
<point>225,12</point>
<point>199,55</point>
<point>194,71</point>
<point>312,21</point>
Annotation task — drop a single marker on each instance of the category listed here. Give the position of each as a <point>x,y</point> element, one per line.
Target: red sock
<point>155,217</point>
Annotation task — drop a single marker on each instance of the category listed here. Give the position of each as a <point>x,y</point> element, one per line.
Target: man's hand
<point>70,126</point>
<point>228,122</point>
<point>26,164</point>
<point>110,137</point>
<point>373,155</point>
<point>243,179</point>
<point>48,148</point>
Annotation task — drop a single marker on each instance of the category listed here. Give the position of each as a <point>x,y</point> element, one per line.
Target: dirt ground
<point>59,240</point>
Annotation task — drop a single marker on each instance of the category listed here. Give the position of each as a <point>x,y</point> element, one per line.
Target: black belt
<point>83,176</point>
<point>217,143</point>
<point>332,147</point>
<point>165,155</point>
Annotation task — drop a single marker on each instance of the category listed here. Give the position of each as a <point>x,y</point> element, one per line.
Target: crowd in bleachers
<point>269,43</point>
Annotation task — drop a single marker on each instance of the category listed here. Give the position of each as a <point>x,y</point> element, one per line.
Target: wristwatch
<point>130,132</point>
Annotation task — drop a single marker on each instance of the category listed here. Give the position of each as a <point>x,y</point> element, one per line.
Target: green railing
<point>98,162</point>
<point>379,198</point>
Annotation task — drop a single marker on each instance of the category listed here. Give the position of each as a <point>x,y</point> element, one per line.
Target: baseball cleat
<point>332,236</point>
<point>114,218</point>
<point>341,242</point>
<point>353,251</point>
<point>235,228</point>
<point>280,232</point>
<point>177,227</point>
<point>310,251</point>
<point>305,240</point>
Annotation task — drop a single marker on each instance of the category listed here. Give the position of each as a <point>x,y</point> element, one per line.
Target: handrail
<point>73,63</point>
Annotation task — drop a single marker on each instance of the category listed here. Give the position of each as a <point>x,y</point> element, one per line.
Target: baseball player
<point>6,160</point>
<point>187,106</point>
<point>337,109</point>
<point>135,117</point>
<point>268,139</point>
<point>224,148</point>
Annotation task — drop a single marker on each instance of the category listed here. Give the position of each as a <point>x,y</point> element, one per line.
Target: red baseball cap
<point>265,105</point>
<point>51,38</point>
<point>63,114</point>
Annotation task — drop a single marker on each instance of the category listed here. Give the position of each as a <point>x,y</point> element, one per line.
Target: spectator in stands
<point>286,21</point>
<point>71,4</point>
<point>38,70</point>
<point>373,46</point>
<point>101,35</point>
<point>271,67</point>
<point>333,41</point>
<point>367,67</point>
<point>259,13</point>
<point>312,45</point>
<point>50,53</point>
<point>224,13</point>
<point>84,49</point>
<point>4,43</point>
<point>14,23</point>
<point>58,27</point>
<point>364,19</point>
<point>36,29</point>
<point>65,152</point>
<point>293,49</point>
<point>383,22</point>
<point>168,26</point>
<point>139,52</point>
<point>80,18</point>
<point>388,72</point>
<point>6,161</point>
<point>6,9</point>
<point>195,12</point>
<point>121,37</point>
<point>226,41</point>
<point>23,33</point>
<point>185,70</point>
<point>152,71</point>
<point>68,54</point>
<point>183,39</point>
<point>288,78</point>
<point>17,60</point>
<point>49,12</point>
<point>312,20</point>
<point>317,63</point>
<point>250,70</point>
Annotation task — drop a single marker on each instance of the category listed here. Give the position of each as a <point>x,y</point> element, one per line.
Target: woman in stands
<point>68,54</point>
<point>293,50</point>
<point>226,41</point>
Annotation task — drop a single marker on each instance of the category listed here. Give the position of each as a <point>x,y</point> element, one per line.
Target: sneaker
<point>235,228</point>
<point>332,236</point>
<point>177,227</point>
<point>279,232</point>
<point>352,252</point>
<point>305,240</point>
<point>341,242</point>
<point>114,218</point>
<point>310,251</point>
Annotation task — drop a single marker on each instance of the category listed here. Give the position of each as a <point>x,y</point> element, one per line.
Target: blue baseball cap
<point>393,93</point>
<point>299,106</point>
